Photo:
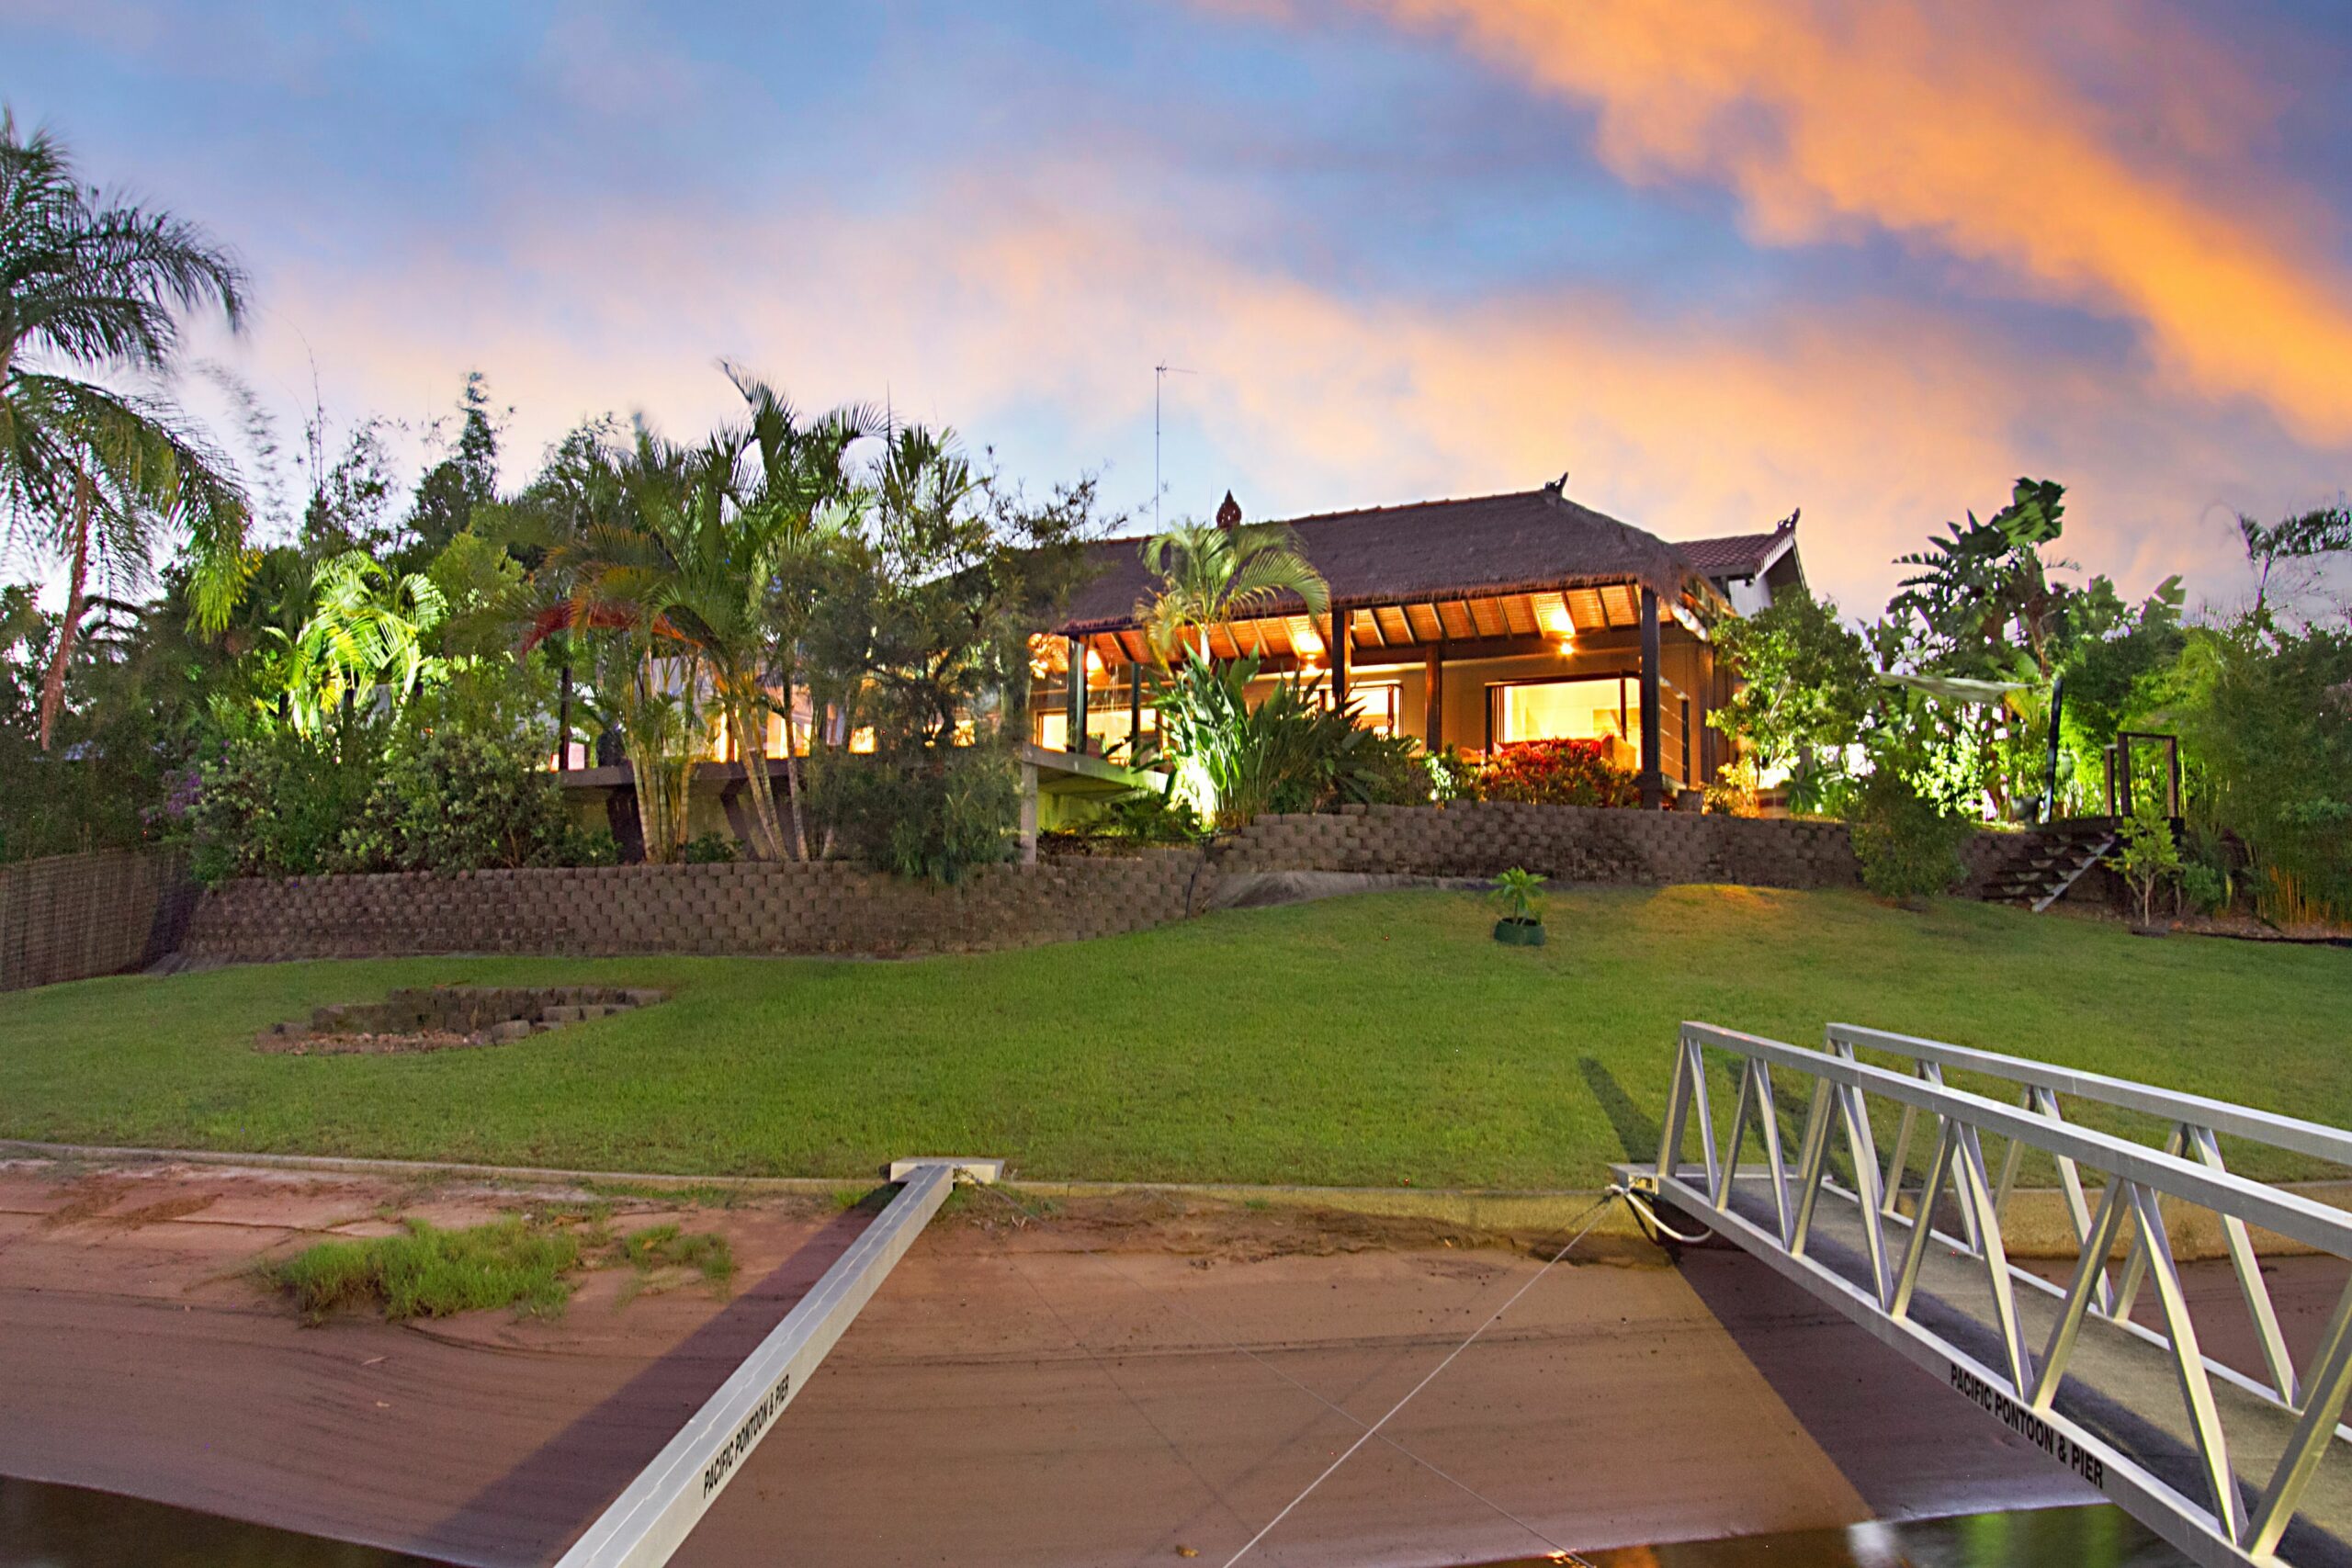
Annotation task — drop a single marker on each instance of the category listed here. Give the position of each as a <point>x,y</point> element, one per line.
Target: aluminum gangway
<point>2229,1467</point>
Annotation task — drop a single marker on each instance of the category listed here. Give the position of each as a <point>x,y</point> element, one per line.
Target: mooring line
<point>1560,1552</point>
<point>1592,1217</point>
<point>1103,1366</point>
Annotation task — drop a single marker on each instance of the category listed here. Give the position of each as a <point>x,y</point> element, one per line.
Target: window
<point>1562,710</point>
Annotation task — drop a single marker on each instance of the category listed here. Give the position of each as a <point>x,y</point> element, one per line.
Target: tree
<point>364,635</point>
<point>1806,682</point>
<point>802,499</point>
<point>449,491</point>
<point>90,476</point>
<point>1211,573</point>
<point>2303,539</point>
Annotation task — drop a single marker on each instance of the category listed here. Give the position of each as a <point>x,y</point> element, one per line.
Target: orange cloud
<point>1955,133</point>
<point>1037,327</point>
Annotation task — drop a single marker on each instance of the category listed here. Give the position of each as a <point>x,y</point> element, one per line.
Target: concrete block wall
<point>72,916</point>
<point>746,908</point>
<point>1571,843</point>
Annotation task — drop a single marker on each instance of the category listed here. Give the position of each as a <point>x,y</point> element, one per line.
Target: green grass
<point>668,1246</point>
<point>519,1260</point>
<point>1378,1041</point>
<point>428,1272</point>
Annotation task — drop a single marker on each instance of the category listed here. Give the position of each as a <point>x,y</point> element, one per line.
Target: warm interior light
<point>1093,662</point>
<point>1304,638</point>
<point>1567,646</point>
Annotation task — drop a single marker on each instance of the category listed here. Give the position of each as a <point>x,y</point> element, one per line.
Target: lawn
<point>1381,1040</point>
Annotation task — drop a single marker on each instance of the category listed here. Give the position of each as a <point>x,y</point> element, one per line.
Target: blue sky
<point>1714,259</point>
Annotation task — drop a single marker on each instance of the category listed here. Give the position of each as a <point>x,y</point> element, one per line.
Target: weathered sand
<point>1008,1398</point>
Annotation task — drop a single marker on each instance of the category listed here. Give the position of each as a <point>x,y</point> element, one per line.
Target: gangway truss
<point>2230,1467</point>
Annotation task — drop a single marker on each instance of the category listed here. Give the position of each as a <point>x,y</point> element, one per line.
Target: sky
<point>1713,260</point>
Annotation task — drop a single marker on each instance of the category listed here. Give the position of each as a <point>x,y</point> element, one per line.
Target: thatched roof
<point>1522,543</point>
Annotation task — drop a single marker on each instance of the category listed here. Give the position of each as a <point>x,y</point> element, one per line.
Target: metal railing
<point>2216,1522</point>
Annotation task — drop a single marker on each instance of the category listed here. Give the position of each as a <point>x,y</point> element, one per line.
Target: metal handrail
<point>2331,1144</point>
<point>2289,1214</point>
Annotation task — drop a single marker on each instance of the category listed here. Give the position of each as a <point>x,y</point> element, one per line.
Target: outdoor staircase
<point>2051,862</point>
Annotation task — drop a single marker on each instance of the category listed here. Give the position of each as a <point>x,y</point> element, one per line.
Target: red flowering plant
<point>1557,772</point>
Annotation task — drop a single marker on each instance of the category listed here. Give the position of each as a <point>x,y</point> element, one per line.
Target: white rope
<point>1649,1217</point>
<point>1592,1219</point>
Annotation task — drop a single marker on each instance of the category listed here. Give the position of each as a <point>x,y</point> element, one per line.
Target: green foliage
<point>1453,776</point>
<point>1806,679</point>
<point>2204,889</point>
<point>429,1272</point>
<point>277,803</point>
<point>450,491</point>
<point>2148,856</point>
<point>1291,752</point>
<point>449,801</point>
<point>91,476</point>
<point>363,637</point>
<point>1209,574</point>
<point>2266,715</point>
<point>937,814</point>
<point>1908,847</point>
<point>1558,772</point>
<point>708,848</point>
<point>1518,893</point>
<point>1155,817</point>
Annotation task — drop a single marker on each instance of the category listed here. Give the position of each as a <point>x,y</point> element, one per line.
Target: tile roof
<point>1523,542</point>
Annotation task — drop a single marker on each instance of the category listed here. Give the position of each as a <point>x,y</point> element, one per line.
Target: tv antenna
<point>1159,374</point>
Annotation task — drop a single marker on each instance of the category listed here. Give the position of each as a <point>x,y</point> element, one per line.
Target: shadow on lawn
<point>1636,1134</point>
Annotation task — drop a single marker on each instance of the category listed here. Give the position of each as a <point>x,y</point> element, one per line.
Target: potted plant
<point>1517,893</point>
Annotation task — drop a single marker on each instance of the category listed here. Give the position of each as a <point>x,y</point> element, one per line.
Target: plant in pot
<point>1519,893</point>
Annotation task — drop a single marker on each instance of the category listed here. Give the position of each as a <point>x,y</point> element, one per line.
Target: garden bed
<point>447,1018</point>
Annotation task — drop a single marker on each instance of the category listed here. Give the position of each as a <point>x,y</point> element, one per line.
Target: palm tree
<point>800,500</point>
<point>1209,573</point>
<point>365,634</point>
<point>88,282</point>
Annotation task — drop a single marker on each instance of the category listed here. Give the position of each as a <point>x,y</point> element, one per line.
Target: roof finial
<point>1558,486</point>
<point>1229,516</point>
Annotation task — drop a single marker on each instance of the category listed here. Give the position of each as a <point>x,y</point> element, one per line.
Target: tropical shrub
<point>936,812</point>
<point>451,803</point>
<point>1291,752</point>
<point>708,848</point>
<point>1453,776</point>
<point>1558,772</point>
<point>2265,717</point>
<point>278,804</point>
<point>1733,791</point>
<point>1907,845</point>
<point>2149,856</point>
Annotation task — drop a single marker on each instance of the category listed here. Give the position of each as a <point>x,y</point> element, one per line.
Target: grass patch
<point>667,1247</point>
<point>429,1272</point>
<point>1385,1040</point>
<point>522,1260</point>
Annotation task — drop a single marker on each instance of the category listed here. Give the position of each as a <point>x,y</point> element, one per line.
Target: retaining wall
<point>833,908</point>
<point>746,908</point>
<point>1572,843</point>
<point>70,917</point>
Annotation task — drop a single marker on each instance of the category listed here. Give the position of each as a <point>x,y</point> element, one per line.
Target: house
<point>1474,623</point>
